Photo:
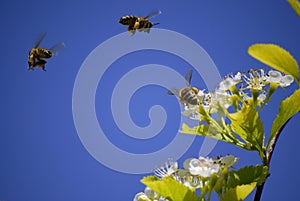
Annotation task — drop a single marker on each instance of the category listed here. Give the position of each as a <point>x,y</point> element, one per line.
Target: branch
<point>270,151</point>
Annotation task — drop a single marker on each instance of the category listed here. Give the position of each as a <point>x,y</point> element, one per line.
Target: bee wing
<point>153,14</point>
<point>173,91</point>
<point>188,77</point>
<point>57,47</point>
<point>41,38</point>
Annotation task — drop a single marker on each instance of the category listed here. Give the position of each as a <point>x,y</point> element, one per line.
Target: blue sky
<point>41,154</point>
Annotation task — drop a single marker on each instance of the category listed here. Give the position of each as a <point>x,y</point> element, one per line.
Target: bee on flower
<point>234,90</point>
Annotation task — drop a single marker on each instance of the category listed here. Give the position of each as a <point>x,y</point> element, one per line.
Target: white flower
<point>201,93</point>
<point>274,76</point>
<point>230,81</point>
<point>161,198</point>
<point>207,98</point>
<point>256,79</point>
<point>282,80</point>
<point>286,80</point>
<point>238,77</point>
<point>210,101</point>
<point>203,166</point>
<point>167,169</point>
<point>193,182</point>
<point>150,193</point>
<point>141,197</point>
<point>224,98</point>
<point>226,84</point>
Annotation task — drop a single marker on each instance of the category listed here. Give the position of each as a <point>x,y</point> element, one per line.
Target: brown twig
<point>270,150</point>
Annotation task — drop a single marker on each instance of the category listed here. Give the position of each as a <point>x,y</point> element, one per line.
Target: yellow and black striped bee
<point>138,23</point>
<point>187,95</point>
<point>38,54</point>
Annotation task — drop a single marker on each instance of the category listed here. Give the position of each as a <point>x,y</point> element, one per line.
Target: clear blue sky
<point>41,154</point>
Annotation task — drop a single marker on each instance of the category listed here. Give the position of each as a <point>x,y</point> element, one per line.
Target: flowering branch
<point>237,101</point>
<point>204,174</point>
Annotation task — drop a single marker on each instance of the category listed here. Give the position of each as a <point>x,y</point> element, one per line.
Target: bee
<point>38,54</point>
<point>138,23</point>
<point>187,95</point>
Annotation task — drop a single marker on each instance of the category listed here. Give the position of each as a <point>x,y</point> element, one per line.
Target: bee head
<point>124,20</point>
<point>48,53</point>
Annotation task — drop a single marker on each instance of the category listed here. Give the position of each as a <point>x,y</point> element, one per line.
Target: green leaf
<point>295,5</point>
<point>202,130</point>
<point>188,130</point>
<point>276,57</point>
<point>288,108</point>
<point>247,124</point>
<point>230,185</point>
<point>212,131</point>
<point>169,188</point>
<point>238,193</point>
<point>247,175</point>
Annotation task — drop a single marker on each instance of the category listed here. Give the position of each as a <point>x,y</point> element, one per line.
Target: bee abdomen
<point>143,24</point>
<point>189,96</point>
<point>148,25</point>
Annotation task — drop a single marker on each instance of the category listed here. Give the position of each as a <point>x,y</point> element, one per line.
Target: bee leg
<point>131,30</point>
<point>41,63</point>
<point>29,65</point>
<point>43,66</point>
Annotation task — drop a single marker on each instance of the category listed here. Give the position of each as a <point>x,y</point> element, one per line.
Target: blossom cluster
<point>195,174</point>
<point>241,87</point>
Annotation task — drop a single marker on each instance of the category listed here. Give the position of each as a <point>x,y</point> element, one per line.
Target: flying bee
<point>138,23</point>
<point>37,55</point>
<point>187,95</point>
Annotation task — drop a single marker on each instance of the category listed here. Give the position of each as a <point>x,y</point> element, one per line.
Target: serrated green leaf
<point>276,57</point>
<point>171,189</point>
<point>247,175</point>
<point>247,124</point>
<point>238,193</point>
<point>288,108</point>
<point>295,5</point>
<point>244,176</point>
